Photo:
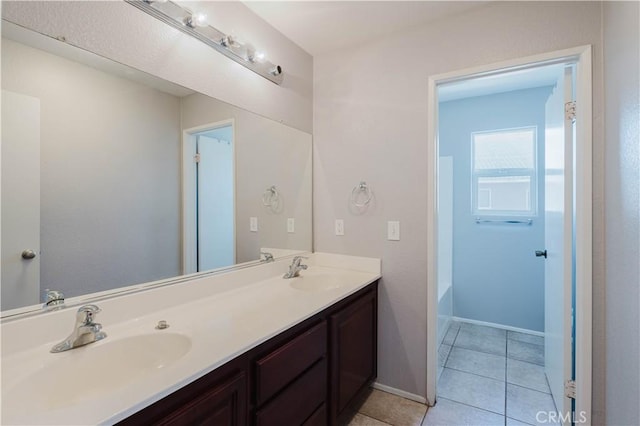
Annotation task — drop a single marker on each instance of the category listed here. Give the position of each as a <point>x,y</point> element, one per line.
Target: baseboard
<point>398,392</point>
<point>504,327</point>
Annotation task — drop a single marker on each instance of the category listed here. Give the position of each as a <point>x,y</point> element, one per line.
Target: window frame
<point>524,172</point>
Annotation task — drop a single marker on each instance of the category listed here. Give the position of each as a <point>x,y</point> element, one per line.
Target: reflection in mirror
<point>112,177</point>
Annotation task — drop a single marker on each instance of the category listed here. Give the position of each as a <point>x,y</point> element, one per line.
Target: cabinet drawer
<point>318,418</point>
<point>283,365</point>
<point>299,401</point>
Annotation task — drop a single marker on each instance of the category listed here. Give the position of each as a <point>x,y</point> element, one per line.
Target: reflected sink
<point>316,282</point>
<point>95,369</point>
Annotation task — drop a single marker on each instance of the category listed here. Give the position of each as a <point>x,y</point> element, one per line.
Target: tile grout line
<point>371,417</point>
<point>525,423</point>
<point>473,406</point>
<point>533,390</point>
<point>493,353</point>
<point>478,375</point>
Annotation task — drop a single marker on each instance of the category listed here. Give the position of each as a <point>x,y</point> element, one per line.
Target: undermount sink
<point>90,371</point>
<point>316,282</point>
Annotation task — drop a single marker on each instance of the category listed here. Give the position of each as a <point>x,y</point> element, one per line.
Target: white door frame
<point>189,208</point>
<point>583,199</point>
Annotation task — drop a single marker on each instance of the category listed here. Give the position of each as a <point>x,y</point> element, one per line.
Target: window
<point>504,172</point>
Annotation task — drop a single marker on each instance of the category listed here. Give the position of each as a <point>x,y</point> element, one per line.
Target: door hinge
<point>196,158</point>
<point>570,111</point>
<point>570,389</point>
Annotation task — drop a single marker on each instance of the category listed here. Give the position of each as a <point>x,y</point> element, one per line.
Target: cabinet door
<point>223,405</point>
<point>353,350</point>
<point>217,399</point>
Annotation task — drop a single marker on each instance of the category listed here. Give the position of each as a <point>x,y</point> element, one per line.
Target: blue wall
<point>496,277</point>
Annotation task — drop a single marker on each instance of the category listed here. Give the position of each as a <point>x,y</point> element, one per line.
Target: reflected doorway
<point>209,163</point>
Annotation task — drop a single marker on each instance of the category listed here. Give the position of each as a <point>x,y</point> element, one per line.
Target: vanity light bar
<point>194,24</point>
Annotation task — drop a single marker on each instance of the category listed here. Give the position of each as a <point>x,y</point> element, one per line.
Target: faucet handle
<point>268,257</point>
<point>53,300</point>
<point>86,313</point>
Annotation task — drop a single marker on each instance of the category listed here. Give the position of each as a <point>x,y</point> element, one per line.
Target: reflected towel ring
<point>270,196</point>
<point>361,187</point>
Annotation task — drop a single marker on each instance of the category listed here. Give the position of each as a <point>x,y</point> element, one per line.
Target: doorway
<point>502,166</point>
<point>209,197</point>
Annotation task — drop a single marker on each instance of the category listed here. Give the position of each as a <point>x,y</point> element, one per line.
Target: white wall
<point>370,112</point>
<point>622,118</point>
<point>124,33</point>
<point>445,244</point>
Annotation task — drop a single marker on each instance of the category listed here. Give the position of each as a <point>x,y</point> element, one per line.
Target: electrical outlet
<point>339,227</point>
<point>253,224</point>
<point>393,230</point>
<point>291,225</point>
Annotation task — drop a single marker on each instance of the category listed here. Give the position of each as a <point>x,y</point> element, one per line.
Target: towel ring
<point>361,187</point>
<point>270,196</point>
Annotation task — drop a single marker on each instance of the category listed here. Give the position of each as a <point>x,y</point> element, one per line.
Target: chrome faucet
<point>53,300</point>
<point>268,257</point>
<point>84,332</point>
<point>295,267</point>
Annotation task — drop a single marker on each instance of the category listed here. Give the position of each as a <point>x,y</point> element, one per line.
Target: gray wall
<point>101,181</point>
<point>496,277</point>
<point>622,184</point>
<point>267,153</point>
<point>370,111</point>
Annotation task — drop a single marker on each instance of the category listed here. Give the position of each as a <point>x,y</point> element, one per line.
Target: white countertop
<point>221,317</point>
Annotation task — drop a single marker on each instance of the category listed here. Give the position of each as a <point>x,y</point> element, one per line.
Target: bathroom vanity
<point>241,347</point>
<point>189,336</point>
<point>307,375</point>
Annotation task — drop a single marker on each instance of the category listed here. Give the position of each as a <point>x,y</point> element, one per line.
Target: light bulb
<point>259,56</point>
<point>200,19</point>
<point>197,19</point>
<point>254,55</point>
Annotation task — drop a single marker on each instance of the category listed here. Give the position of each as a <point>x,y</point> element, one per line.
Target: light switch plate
<point>253,224</point>
<point>339,227</point>
<point>393,230</point>
<point>291,225</point>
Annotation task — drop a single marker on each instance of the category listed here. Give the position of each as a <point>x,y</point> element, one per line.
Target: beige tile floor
<point>382,409</point>
<point>488,377</point>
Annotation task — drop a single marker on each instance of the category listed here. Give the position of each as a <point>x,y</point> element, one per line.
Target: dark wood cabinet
<point>353,351</point>
<point>307,375</point>
<point>218,398</point>
<point>221,405</point>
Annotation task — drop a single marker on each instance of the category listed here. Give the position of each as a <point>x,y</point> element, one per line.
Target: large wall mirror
<point>112,177</point>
